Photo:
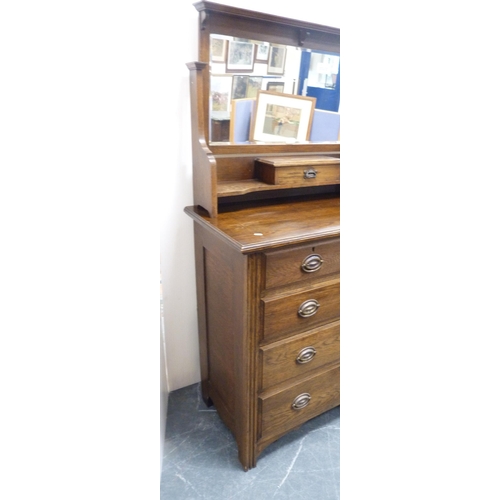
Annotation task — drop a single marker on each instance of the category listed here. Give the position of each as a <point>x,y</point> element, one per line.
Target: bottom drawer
<point>281,411</point>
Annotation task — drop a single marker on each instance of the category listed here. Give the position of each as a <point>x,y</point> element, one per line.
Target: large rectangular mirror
<point>243,53</point>
<point>240,68</point>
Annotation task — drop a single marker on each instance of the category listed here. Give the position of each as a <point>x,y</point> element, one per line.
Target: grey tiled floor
<point>201,459</point>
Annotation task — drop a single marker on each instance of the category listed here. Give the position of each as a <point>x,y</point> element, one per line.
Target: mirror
<point>240,68</point>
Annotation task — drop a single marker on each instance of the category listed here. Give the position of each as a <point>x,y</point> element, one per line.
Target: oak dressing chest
<point>267,249</point>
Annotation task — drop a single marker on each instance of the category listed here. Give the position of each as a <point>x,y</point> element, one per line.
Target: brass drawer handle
<point>310,173</point>
<point>301,401</point>
<point>312,263</point>
<point>308,308</point>
<point>306,355</point>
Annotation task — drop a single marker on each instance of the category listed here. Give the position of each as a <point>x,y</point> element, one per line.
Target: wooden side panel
<point>220,294</point>
<point>235,168</point>
<point>229,319</point>
<point>202,318</point>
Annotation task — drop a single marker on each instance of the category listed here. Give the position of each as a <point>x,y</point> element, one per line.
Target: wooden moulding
<point>298,171</point>
<point>227,20</point>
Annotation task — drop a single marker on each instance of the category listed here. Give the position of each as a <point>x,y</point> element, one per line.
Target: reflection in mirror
<point>323,70</point>
<point>240,68</point>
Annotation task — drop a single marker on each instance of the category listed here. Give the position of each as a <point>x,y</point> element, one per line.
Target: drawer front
<point>293,406</point>
<point>298,171</point>
<point>285,315</point>
<point>302,263</point>
<point>307,176</point>
<point>298,356</point>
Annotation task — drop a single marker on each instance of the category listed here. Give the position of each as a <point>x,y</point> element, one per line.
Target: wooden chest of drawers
<point>268,281</point>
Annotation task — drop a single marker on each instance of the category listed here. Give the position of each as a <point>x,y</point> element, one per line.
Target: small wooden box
<point>298,171</point>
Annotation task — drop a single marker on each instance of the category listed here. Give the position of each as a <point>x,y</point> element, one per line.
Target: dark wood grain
<point>285,266</point>
<point>290,170</point>
<point>220,295</point>
<point>294,176</point>
<point>262,227</point>
<point>204,164</point>
<point>276,413</point>
<point>281,316</point>
<point>229,286</point>
<point>279,359</point>
<point>199,251</point>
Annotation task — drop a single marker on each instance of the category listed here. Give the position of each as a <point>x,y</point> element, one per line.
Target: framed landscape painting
<point>220,94</point>
<point>282,117</point>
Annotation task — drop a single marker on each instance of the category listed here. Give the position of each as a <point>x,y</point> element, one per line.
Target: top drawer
<point>301,263</point>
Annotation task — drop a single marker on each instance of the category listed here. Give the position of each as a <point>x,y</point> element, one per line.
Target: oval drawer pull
<point>301,401</point>
<point>312,263</point>
<point>310,173</point>
<point>306,355</point>
<point>308,308</point>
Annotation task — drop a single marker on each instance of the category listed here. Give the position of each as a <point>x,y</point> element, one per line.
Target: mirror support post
<point>204,164</point>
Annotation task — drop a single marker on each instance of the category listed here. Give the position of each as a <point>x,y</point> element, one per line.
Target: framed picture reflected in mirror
<point>240,56</point>
<point>218,49</point>
<point>282,117</point>
<point>262,53</point>
<point>275,86</point>
<point>276,63</point>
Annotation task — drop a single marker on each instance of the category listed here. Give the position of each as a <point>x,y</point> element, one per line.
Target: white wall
<point>176,244</point>
<point>163,383</point>
<point>176,240</point>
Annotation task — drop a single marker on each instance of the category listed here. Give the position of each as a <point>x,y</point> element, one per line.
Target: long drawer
<point>299,311</point>
<point>299,355</point>
<point>301,263</point>
<point>281,411</point>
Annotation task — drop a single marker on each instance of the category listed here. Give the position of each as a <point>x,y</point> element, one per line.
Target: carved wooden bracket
<point>303,34</point>
<point>203,19</point>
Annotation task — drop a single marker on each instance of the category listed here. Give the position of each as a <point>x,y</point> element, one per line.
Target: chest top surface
<point>259,226</point>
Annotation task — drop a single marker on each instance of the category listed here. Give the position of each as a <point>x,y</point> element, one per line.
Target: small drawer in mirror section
<point>298,171</point>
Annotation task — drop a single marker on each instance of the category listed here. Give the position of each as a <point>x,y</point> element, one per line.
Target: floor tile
<point>201,458</point>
